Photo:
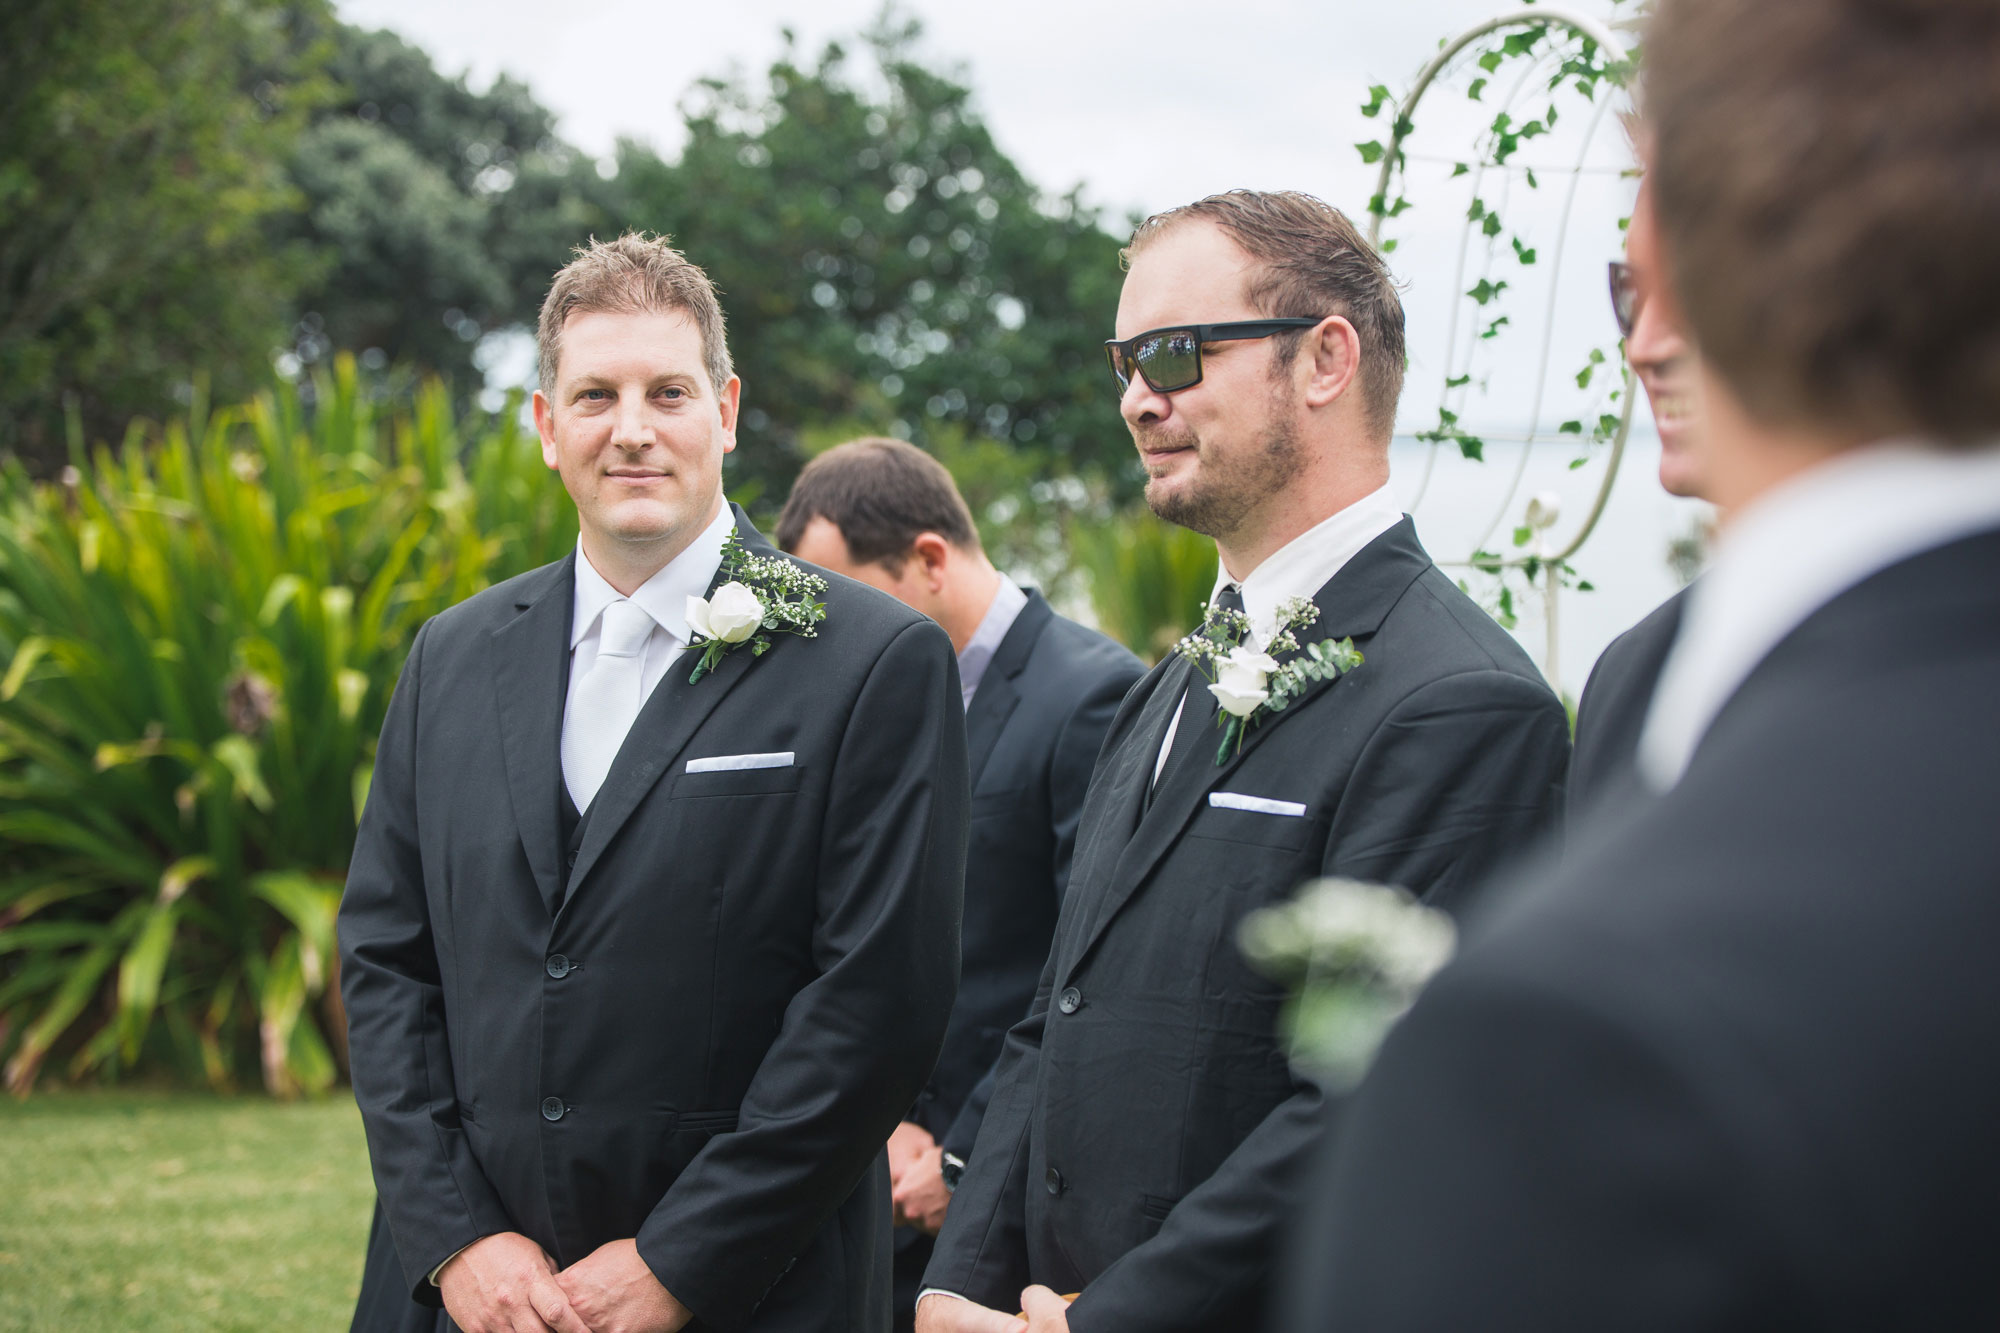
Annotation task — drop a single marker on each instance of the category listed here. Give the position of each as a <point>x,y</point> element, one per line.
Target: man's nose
<point>630,427</point>
<point>1141,403</point>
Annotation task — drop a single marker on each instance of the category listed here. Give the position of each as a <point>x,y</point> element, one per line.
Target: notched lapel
<point>997,697</point>
<point>1352,604</point>
<point>531,653</point>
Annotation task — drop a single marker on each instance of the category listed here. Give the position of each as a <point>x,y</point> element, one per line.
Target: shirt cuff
<point>933,1291</point>
<point>447,1259</point>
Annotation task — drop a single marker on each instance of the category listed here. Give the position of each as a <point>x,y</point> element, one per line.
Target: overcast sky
<point>1154,104</point>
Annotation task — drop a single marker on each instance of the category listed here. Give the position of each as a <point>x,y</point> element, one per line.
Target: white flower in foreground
<point>732,615</point>
<point>1240,679</point>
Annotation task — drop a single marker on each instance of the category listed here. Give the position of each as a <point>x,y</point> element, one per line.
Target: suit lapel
<point>662,730</point>
<point>1352,604</point>
<point>531,653</point>
<point>996,698</point>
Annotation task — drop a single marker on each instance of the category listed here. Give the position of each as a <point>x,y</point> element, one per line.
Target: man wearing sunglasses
<point>1146,1130</point>
<point>1613,706</point>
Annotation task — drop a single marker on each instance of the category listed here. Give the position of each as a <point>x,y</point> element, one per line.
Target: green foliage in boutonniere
<point>760,596</point>
<point>1248,685</point>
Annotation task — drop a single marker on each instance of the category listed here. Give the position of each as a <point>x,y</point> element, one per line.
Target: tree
<point>142,164</point>
<point>885,266</point>
<point>443,210</point>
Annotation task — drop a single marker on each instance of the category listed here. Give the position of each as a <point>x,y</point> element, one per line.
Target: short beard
<point>1217,502</point>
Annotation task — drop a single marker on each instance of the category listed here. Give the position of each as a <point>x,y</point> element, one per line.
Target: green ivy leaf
<point>1472,447</point>
<point>1493,329</point>
<point>1492,227</point>
<point>1490,61</point>
<point>1487,290</point>
<point>1371,152</point>
<point>1459,169</point>
<point>1523,535</point>
<point>1458,381</point>
<point>1571,428</point>
<point>1478,87</point>
<point>1523,253</point>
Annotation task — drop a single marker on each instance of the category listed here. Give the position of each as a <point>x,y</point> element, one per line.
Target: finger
<point>523,1319</point>
<point>1044,1307</point>
<point>554,1308</point>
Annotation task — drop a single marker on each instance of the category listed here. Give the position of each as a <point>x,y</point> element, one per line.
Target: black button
<point>559,966</point>
<point>1054,1181</point>
<point>570,860</point>
<point>553,1108</point>
<point>1070,1000</point>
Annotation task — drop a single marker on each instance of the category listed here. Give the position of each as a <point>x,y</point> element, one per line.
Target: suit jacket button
<point>569,859</point>
<point>553,1108</point>
<point>560,966</point>
<point>1070,1000</point>
<point>1054,1181</point>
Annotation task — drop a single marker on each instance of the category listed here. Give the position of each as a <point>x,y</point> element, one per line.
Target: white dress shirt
<point>977,655</point>
<point>1299,568</point>
<point>1790,553</point>
<point>663,597</point>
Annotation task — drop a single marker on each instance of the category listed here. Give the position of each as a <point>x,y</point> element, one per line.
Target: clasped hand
<point>508,1284</point>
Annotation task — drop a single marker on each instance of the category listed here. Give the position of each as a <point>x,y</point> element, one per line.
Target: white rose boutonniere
<point>1248,685</point>
<point>760,597</point>
<point>732,615</point>
<point>1240,687</point>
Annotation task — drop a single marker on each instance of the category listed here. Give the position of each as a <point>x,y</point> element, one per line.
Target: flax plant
<point>1149,580</point>
<point>199,632</point>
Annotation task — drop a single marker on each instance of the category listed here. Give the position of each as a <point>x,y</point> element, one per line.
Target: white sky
<point>1151,105</point>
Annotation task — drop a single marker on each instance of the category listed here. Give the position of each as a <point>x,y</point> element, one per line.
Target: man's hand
<point>505,1284</point>
<point>920,1195</point>
<point>949,1314</point>
<point>615,1292</point>
<point>1046,1311</point>
<point>906,1145</point>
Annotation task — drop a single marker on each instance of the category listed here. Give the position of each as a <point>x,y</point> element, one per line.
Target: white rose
<point>1239,681</point>
<point>732,616</point>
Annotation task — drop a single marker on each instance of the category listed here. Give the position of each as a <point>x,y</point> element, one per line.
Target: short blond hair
<point>635,274</point>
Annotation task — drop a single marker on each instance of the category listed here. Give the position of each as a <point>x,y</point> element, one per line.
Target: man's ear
<point>545,426</point>
<point>1335,349</point>
<point>727,403</point>
<point>934,553</point>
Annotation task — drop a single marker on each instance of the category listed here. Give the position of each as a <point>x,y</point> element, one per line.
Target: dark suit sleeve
<point>1078,746</point>
<point>982,1252</point>
<point>1466,772</point>
<point>434,1195</point>
<point>859,1039</point>
<point>1516,1159</point>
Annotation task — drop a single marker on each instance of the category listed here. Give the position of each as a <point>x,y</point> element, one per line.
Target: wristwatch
<point>952,1168</point>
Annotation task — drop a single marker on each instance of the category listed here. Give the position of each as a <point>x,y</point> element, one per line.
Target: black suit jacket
<point>1613,708</point>
<point>1736,1064</point>
<point>1033,732</point>
<point>704,1042</point>
<point>1147,1132</point>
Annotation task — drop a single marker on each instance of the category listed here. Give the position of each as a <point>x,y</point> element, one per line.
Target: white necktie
<point>605,701</point>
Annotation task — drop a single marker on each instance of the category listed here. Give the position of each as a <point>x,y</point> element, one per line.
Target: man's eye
<point>674,391</point>
<point>594,395</point>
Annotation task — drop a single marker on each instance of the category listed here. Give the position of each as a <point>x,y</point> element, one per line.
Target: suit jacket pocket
<point>1153,1210</point>
<point>1289,833</point>
<point>739,782</point>
<point>706,1122</point>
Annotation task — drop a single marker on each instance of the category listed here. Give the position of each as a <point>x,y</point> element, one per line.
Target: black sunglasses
<point>1170,359</point>
<point>1624,297</point>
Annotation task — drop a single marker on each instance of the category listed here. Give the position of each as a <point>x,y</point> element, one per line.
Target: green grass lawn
<point>163,1212</point>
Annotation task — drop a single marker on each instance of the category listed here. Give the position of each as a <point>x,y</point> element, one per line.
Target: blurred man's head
<point>888,514</point>
<point>1825,186</point>
<point>637,404</point>
<point>1254,432</point>
<point>1661,357</point>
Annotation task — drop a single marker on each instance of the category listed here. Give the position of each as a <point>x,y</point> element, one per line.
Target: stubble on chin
<point>1218,498</point>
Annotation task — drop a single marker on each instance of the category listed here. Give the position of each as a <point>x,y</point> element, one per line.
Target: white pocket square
<point>1235,800</point>
<point>727,763</point>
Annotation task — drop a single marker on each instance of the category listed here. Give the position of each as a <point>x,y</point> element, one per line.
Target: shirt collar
<point>1302,566</point>
<point>663,596</point>
<point>1001,612</point>
<point>1793,551</point>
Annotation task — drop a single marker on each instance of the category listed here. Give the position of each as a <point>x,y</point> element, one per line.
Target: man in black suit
<point>1039,691</point>
<point>1612,707</point>
<point>1147,1130</point>
<point>1736,1064</point>
<point>652,923</point>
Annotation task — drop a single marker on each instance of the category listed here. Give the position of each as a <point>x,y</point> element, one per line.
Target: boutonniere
<point>1248,685</point>
<point>760,596</point>
<point>1354,957</point>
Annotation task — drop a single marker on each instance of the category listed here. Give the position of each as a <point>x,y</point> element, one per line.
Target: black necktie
<point>1196,730</point>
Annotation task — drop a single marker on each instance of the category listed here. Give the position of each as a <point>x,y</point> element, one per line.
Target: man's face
<point>822,543</point>
<point>1219,452</point>
<point>637,430</point>
<point>1664,361</point>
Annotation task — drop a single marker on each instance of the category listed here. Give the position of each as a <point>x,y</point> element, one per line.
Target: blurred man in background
<point>1612,707</point>
<point>1736,1064</point>
<point>1040,692</point>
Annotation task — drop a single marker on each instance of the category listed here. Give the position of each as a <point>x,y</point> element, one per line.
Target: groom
<point>641,969</point>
